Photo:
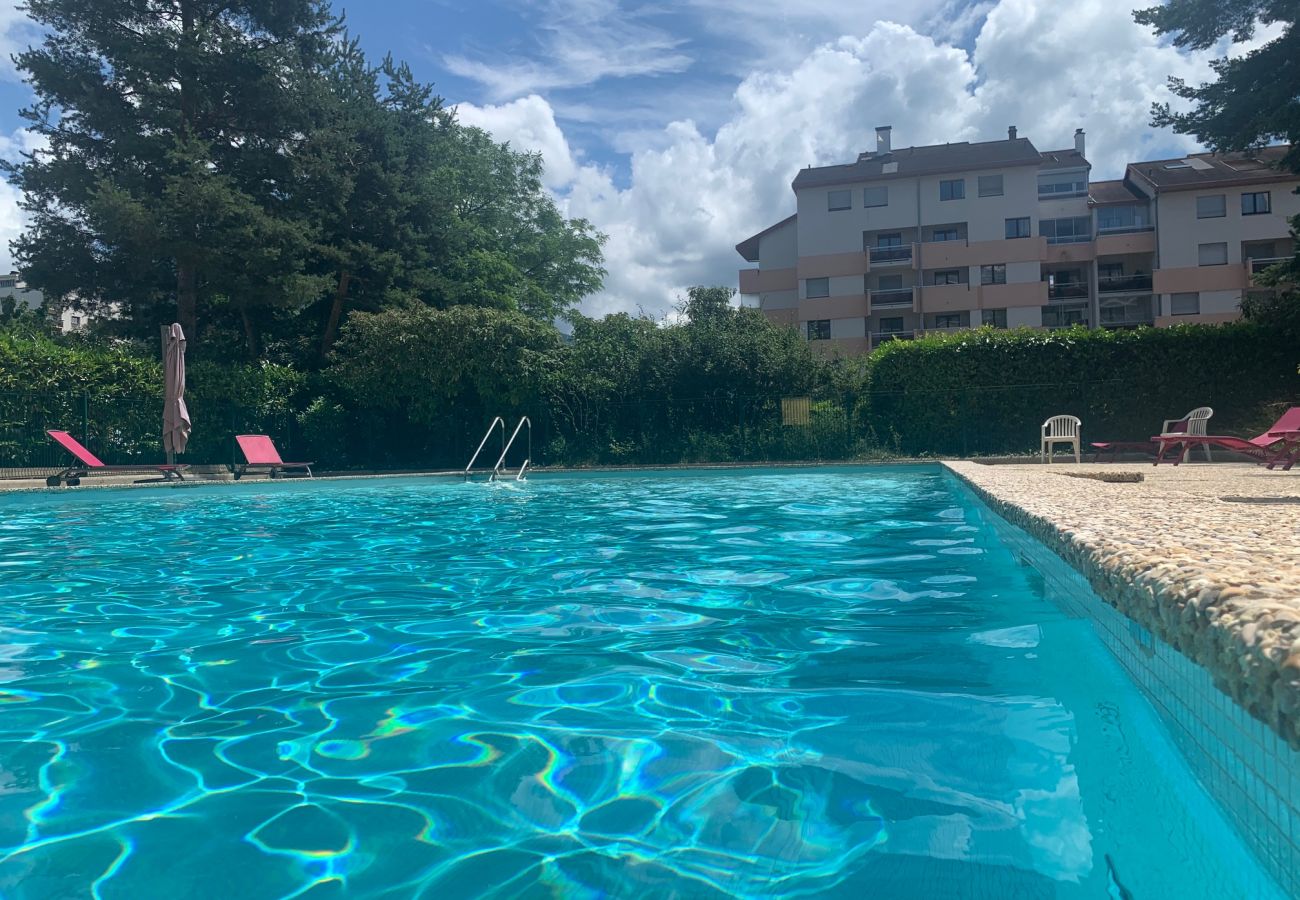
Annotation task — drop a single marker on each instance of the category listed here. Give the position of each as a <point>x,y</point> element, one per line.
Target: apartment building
<point>923,239</point>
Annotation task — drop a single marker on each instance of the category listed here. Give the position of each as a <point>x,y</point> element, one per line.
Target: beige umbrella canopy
<point>176,418</point>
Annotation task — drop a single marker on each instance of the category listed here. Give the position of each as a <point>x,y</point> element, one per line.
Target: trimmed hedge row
<point>988,391</point>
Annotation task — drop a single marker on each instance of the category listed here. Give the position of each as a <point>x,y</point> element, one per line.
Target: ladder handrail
<point>496,470</point>
<point>483,443</point>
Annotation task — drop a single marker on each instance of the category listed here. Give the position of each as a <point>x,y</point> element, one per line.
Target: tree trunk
<point>336,314</point>
<point>250,333</point>
<point>187,298</point>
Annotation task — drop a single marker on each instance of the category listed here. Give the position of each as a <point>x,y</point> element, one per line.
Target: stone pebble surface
<point>1219,580</point>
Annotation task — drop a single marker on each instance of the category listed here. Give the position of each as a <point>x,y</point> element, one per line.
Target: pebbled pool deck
<point>1218,579</point>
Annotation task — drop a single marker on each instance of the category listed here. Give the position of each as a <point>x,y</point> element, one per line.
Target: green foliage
<point>988,391</point>
<point>240,166</point>
<point>1254,99</point>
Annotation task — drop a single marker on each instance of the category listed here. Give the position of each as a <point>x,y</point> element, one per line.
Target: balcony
<point>880,337</point>
<point>890,299</point>
<point>1127,313</point>
<point>1065,316</point>
<point>1123,229</point>
<point>1071,290</point>
<point>1070,239</point>
<point>890,256</point>
<point>1124,284</point>
<point>1259,266</point>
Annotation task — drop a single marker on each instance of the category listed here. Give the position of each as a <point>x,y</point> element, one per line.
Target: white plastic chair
<point>1060,430</point>
<point>1195,422</point>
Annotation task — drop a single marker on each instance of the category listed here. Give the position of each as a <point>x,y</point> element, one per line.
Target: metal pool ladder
<point>481,444</point>
<point>505,448</point>
<point>523,469</point>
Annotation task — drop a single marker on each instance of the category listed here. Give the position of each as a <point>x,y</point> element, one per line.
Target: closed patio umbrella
<point>176,418</point>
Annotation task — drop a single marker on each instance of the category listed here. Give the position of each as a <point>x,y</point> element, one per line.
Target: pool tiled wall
<point>1249,770</point>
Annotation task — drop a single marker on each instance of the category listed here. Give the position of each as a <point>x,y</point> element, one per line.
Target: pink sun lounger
<point>260,453</point>
<point>1279,445</point>
<point>89,464</point>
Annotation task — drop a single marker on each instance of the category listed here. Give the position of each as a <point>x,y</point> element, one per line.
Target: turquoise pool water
<point>762,683</point>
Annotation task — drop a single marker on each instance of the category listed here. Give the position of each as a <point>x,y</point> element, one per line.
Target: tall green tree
<point>172,127</point>
<point>1254,100</point>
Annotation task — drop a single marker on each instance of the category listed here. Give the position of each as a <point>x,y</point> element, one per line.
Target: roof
<point>1064,159</point>
<point>1105,193</point>
<point>1202,170</point>
<point>748,248</point>
<point>909,162</point>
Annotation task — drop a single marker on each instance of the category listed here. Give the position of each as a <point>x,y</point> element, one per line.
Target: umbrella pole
<point>166,335</point>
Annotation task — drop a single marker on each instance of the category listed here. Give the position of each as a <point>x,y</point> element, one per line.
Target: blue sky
<point>677,127</point>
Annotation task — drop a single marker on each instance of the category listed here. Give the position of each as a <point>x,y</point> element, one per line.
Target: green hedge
<point>110,395</point>
<point>988,391</point>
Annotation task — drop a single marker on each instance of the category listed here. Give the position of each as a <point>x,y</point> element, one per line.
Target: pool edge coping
<point>1181,612</point>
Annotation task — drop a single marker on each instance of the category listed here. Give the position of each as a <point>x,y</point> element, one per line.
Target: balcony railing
<point>1071,290</point>
<point>1127,314</point>
<point>1057,317</point>
<point>1070,239</point>
<point>1257,266</point>
<point>890,256</point>
<point>1123,229</point>
<point>892,297</point>
<point>880,337</point>
<point>1123,284</point>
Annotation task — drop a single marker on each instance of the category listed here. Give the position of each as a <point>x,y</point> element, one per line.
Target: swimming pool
<point>743,683</point>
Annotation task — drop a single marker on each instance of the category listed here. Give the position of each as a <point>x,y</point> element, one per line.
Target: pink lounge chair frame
<point>260,453</point>
<point>1280,445</point>
<point>89,464</point>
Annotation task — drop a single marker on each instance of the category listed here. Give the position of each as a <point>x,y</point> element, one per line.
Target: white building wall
<point>779,249</point>
<point>1180,233</point>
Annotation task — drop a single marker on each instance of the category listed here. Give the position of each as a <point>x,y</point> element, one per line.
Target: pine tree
<point>171,127</point>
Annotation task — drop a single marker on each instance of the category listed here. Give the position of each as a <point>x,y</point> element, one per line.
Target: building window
<point>8,282</point>
<point>889,283</point>
<point>1063,316</point>
<point>817,287</point>
<point>1211,206</point>
<point>952,190</point>
<point>1063,184</point>
<point>891,325</point>
<point>837,200</point>
<point>944,234</point>
<point>947,276</point>
<point>948,320</point>
<point>76,321</point>
<point>819,329</point>
<point>1256,204</point>
<point>1066,231</point>
<point>875,196</point>
<point>1212,254</point>
<point>994,274</point>
<point>990,185</point>
<point>994,317</point>
<point>1110,270</point>
<point>1184,304</point>
<point>1122,218</point>
<point>1018,228</point>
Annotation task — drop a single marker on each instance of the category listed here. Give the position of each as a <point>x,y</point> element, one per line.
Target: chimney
<point>1078,141</point>
<point>1011,132</point>
<point>882,138</point>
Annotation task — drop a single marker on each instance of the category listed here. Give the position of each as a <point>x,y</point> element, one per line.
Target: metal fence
<point>125,430</point>
<point>909,422</point>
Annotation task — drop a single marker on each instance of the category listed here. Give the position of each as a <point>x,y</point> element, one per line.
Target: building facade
<point>924,239</point>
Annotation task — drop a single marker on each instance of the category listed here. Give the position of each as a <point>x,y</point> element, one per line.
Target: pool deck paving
<point>1205,556</point>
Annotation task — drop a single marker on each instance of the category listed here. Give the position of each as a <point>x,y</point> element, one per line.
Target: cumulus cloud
<point>580,42</point>
<point>694,193</point>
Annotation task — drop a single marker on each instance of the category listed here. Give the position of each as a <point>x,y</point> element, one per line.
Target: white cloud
<point>693,195</point>
<point>581,42</point>
<point>528,124</point>
<point>16,33</point>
